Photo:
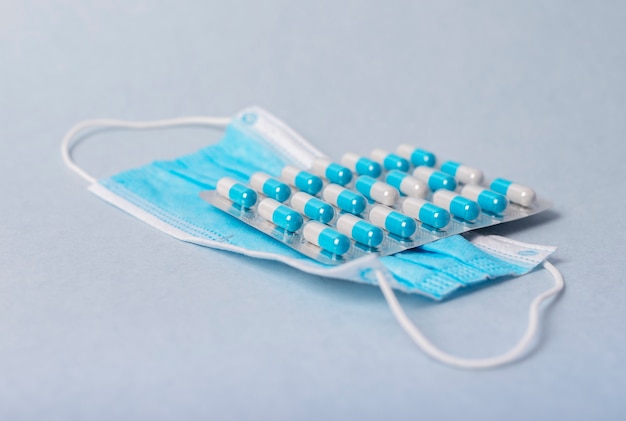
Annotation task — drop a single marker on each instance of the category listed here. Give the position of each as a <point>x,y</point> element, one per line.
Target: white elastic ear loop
<point>69,140</point>
<point>513,354</point>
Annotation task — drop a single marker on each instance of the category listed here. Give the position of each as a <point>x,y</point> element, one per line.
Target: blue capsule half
<point>390,161</point>
<point>426,212</point>
<point>435,179</point>
<point>303,180</point>
<point>360,231</point>
<point>281,215</point>
<point>326,238</point>
<point>270,187</point>
<point>458,205</point>
<point>238,193</point>
<point>312,207</point>
<point>360,165</point>
<point>489,201</point>
<point>333,172</point>
<point>394,222</point>
<point>344,199</point>
<point>418,157</point>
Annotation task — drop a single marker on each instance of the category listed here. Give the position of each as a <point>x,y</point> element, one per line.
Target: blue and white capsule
<point>516,193</point>
<point>359,230</point>
<point>389,161</point>
<point>312,207</point>
<point>303,180</point>
<point>417,156</point>
<point>238,193</point>
<point>459,206</point>
<point>396,223</point>
<point>344,199</point>
<point>331,171</point>
<point>436,180</point>
<point>281,215</point>
<point>326,238</point>
<point>376,190</point>
<point>361,165</point>
<point>408,185</point>
<point>463,173</point>
<point>270,187</point>
<point>426,212</point>
<point>489,201</point>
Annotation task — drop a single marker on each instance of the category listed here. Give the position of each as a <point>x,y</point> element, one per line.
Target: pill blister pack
<point>384,204</point>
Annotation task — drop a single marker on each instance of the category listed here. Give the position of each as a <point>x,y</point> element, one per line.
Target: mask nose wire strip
<point>69,140</point>
<point>431,350</point>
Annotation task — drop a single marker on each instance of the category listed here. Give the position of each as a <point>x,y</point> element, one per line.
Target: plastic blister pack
<point>335,213</point>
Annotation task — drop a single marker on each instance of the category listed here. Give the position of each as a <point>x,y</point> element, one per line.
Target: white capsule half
<point>223,186</point>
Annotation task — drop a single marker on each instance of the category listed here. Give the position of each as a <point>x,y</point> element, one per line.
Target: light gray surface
<point>103,317</point>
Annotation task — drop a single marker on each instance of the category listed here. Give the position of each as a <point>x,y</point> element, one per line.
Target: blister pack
<point>337,212</point>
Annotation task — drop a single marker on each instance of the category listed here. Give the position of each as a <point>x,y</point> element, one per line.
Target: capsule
<point>488,200</point>
<point>376,190</point>
<point>394,222</point>
<point>312,207</point>
<point>435,179</point>
<point>326,238</point>
<point>426,212</point>
<point>334,173</point>
<point>240,194</point>
<point>360,165</point>
<point>463,173</point>
<point>516,193</point>
<point>270,187</point>
<point>389,161</point>
<point>359,230</point>
<point>417,156</point>
<point>283,216</point>
<point>408,185</point>
<point>303,180</point>
<point>344,199</point>
<point>457,205</point>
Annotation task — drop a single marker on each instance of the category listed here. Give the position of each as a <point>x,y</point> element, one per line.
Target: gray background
<point>103,317</point>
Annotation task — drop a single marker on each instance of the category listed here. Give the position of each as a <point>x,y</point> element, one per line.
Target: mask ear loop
<point>431,350</point>
<point>69,140</point>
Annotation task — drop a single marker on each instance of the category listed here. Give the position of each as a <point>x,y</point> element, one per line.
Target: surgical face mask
<point>166,195</point>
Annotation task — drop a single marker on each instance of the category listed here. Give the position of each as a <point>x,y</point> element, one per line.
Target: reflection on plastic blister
<point>391,244</point>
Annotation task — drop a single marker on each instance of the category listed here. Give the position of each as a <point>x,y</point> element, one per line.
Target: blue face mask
<point>166,195</point>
